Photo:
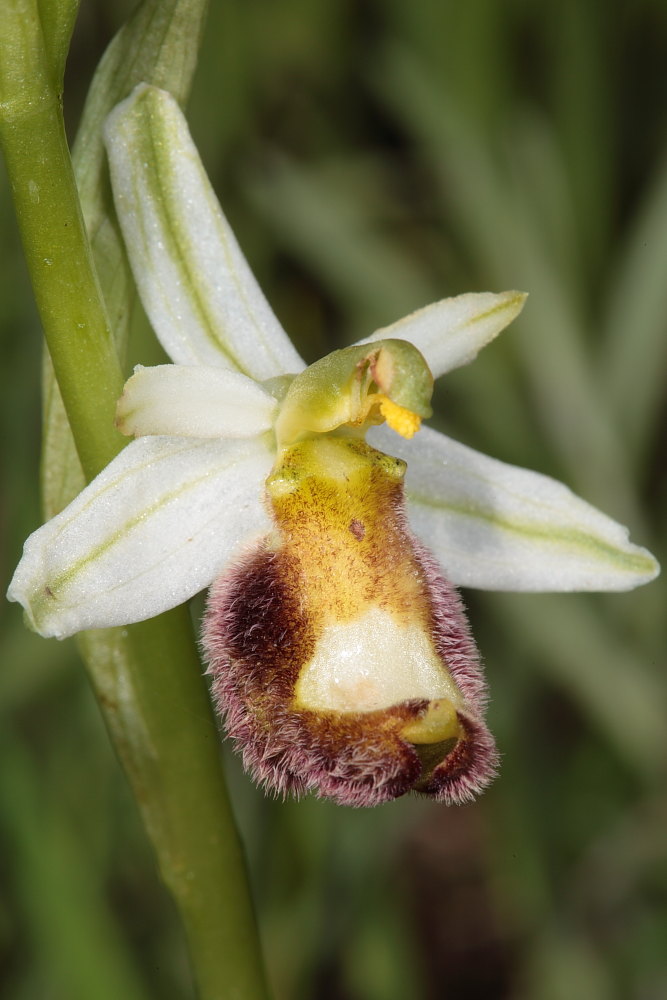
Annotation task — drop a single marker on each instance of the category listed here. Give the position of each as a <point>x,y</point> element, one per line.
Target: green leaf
<point>634,356</point>
<point>74,937</point>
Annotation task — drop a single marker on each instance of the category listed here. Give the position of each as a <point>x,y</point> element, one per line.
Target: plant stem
<point>56,246</point>
<point>164,731</point>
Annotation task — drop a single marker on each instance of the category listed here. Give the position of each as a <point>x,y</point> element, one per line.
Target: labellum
<point>341,658</point>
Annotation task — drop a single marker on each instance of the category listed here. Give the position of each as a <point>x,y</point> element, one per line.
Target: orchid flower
<point>340,655</point>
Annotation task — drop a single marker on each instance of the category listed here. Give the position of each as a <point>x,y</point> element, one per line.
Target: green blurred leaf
<point>74,938</point>
<point>601,670</point>
<point>334,233</point>
<point>633,358</point>
<point>551,340</point>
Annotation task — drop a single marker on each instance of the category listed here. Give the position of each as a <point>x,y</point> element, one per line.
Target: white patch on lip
<point>372,663</point>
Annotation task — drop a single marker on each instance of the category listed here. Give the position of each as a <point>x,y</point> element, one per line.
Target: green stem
<point>148,677</point>
<point>165,734</point>
<point>56,246</point>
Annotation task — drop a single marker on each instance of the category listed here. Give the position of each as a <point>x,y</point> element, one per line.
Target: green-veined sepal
<point>452,332</point>
<point>154,528</point>
<point>198,291</point>
<point>498,527</point>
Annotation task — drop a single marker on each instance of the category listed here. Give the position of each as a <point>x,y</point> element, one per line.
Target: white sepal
<point>194,401</point>
<point>156,526</point>
<point>499,527</point>
<point>452,332</point>
<point>198,291</point>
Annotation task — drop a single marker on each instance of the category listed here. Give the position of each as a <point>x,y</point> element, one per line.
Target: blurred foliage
<point>372,157</point>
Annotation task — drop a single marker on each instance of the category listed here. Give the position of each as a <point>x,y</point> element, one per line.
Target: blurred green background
<point>373,157</point>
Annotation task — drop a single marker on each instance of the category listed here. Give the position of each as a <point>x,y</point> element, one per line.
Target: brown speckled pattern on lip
<point>261,628</point>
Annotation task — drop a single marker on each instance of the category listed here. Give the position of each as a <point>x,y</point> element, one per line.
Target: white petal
<point>156,526</point>
<point>195,284</point>
<point>452,332</point>
<point>498,527</point>
<point>194,401</point>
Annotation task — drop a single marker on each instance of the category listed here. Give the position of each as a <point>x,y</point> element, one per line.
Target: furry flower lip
<point>341,658</point>
<point>340,655</point>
